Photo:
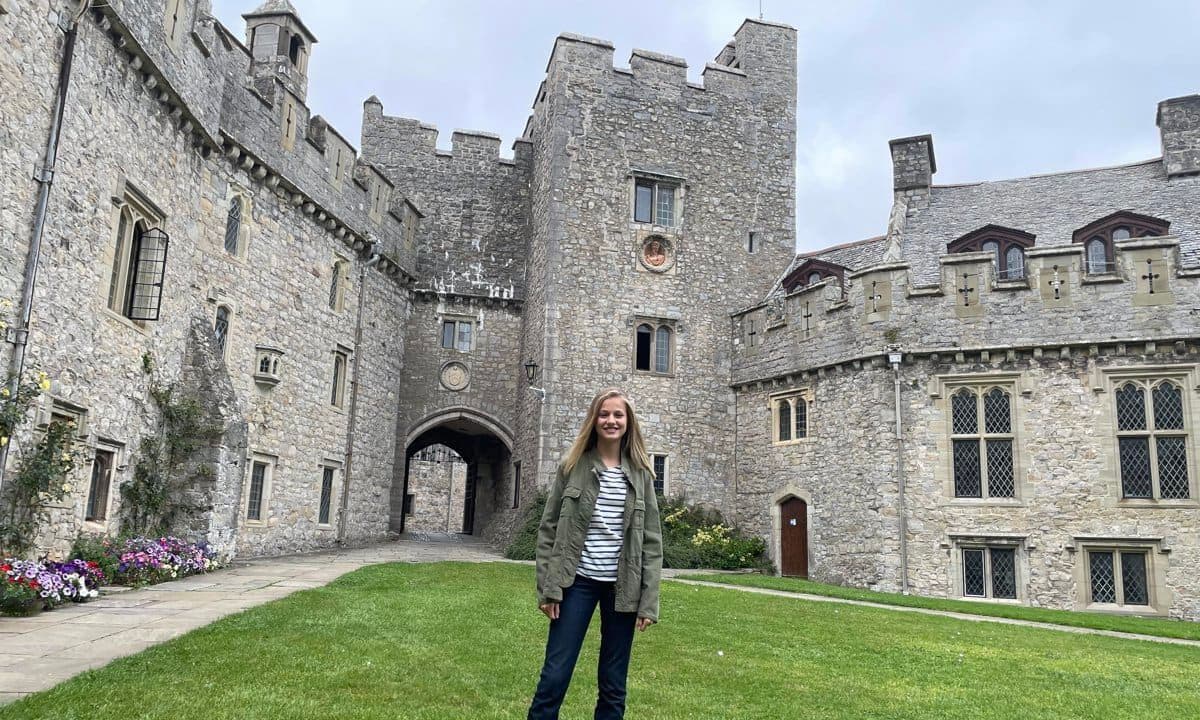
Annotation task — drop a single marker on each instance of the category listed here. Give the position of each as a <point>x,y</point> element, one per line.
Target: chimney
<point>1179,125</point>
<point>913,164</point>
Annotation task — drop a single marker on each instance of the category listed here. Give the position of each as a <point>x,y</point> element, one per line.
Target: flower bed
<point>145,561</point>
<point>30,585</point>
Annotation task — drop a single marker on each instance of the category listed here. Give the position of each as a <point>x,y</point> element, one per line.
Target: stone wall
<point>437,482</point>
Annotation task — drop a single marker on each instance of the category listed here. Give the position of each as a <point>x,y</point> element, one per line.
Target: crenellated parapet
<point>1148,299</point>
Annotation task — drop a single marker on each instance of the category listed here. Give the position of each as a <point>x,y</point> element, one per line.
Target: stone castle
<point>996,398</point>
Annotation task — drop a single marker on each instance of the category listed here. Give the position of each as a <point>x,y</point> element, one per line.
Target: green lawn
<point>462,641</point>
<point>1161,627</point>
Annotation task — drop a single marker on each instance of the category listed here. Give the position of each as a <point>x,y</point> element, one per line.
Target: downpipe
<point>348,467</point>
<point>44,176</point>
<point>894,358</point>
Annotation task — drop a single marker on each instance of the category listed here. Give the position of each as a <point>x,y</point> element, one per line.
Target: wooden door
<point>793,538</point>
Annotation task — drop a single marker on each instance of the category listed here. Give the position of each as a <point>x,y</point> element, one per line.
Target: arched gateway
<point>469,501</point>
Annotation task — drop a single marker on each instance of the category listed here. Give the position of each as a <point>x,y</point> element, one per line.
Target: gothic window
<point>1005,245</point>
<point>233,226</point>
<point>981,437</point>
<point>326,502</point>
<point>221,323</point>
<point>989,572</point>
<point>656,202</point>
<point>1152,438</point>
<point>1118,576</point>
<point>812,271</point>
<point>457,334</point>
<point>790,419</point>
<point>266,364</point>
<point>1098,237</point>
<point>139,260</point>
<point>337,394</point>
<point>654,342</point>
<point>660,473</point>
<point>339,278</point>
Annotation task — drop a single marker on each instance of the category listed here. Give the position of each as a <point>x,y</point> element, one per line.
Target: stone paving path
<point>38,652</point>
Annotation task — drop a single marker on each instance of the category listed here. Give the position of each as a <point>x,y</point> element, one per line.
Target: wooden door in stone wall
<point>793,538</point>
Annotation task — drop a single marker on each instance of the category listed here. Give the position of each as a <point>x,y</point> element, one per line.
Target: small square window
<point>458,335</point>
<point>656,202</point>
<point>1119,576</point>
<point>989,572</point>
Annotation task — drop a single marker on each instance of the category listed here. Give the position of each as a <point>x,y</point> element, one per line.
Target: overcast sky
<point>1007,89</point>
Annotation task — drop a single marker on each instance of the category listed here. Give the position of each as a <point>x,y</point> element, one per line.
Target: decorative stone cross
<point>1150,275</point>
<point>875,297</point>
<point>806,315</point>
<point>1056,283</point>
<point>966,289</point>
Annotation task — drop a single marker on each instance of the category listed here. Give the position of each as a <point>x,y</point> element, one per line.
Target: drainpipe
<point>894,357</point>
<point>348,469</point>
<point>44,176</point>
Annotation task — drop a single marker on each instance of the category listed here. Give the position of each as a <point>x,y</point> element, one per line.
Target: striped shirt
<point>603,544</point>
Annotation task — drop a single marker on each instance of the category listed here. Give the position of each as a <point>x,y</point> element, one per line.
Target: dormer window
<point>813,271</point>
<point>1099,236</point>
<point>1006,246</point>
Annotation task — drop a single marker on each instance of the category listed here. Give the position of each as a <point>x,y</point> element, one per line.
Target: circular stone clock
<point>455,376</point>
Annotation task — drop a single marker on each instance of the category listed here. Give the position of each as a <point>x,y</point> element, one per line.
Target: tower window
<point>656,202</point>
<point>654,342</point>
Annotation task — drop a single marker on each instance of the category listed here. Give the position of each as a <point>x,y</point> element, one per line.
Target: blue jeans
<point>562,650</point>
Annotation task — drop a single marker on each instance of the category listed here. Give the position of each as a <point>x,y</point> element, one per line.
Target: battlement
<point>402,137</point>
<point>1148,294</point>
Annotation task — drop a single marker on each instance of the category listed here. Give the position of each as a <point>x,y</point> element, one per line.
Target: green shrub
<point>697,537</point>
<point>524,543</point>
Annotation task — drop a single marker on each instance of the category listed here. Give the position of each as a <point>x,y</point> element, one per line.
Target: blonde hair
<point>631,442</point>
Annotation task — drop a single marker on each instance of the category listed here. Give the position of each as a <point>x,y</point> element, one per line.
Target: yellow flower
<point>5,304</point>
<point>67,487</point>
<point>4,392</point>
<point>3,441</point>
<point>44,384</point>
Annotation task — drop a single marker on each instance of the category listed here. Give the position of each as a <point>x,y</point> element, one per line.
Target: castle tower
<point>280,45</point>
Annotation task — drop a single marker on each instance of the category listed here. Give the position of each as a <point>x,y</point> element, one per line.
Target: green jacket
<point>564,529</point>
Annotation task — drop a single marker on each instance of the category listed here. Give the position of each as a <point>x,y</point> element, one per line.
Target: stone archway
<point>469,497</point>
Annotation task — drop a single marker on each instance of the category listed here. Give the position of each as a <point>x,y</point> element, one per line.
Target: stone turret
<point>280,45</point>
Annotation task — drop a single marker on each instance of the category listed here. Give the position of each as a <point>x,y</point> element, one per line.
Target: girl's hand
<point>550,610</point>
<point>643,623</point>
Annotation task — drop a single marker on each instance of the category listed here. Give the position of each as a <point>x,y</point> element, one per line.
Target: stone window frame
<point>410,220</point>
<point>1005,240</point>
<point>959,543</point>
<point>1157,561</point>
<point>340,358</point>
<point>341,165</point>
<point>335,468</point>
<point>132,210</point>
<point>339,281</point>
<point>379,198</point>
<point>753,329</point>
<point>982,437</point>
<point>657,182</point>
<point>245,221</point>
<point>100,523</point>
<point>267,374</point>
<point>661,482</point>
<point>657,326</point>
<point>270,463</point>
<point>231,312</point>
<point>1106,381</point>
<point>1104,230</point>
<point>458,320</point>
<point>288,122</point>
<point>941,388</point>
<point>775,403</point>
<point>51,409</point>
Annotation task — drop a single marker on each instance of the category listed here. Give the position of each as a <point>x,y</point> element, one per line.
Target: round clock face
<point>455,376</point>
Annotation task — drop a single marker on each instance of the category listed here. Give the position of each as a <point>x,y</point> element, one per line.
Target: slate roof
<point>1052,207</point>
<point>852,256</point>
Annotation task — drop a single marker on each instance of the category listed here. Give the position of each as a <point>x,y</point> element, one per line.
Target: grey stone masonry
<point>1179,124</point>
<point>913,164</point>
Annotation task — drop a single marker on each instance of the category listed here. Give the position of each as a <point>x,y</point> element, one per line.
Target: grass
<point>455,640</point>
<point>1159,627</point>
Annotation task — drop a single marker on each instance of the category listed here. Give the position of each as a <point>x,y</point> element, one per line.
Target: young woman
<point>600,543</point>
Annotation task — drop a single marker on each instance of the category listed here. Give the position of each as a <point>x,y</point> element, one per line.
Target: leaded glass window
<point>1119,576</point>
<point>457,334</point>
<point>791,417</point>
<point>660,473</point>
<point>655,202</point>
<point>258,479</point>
<point>662,349</point>
<point>338,277</point>
<point>326,495</point>
<point>1152,440</point>
<point>221,327</point>
<point>989,572</point>
<point>1014,263</point>
<point>233,226</point>
<point>1097,256</point>
<point>337,393</point>
<point>982,443</point>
